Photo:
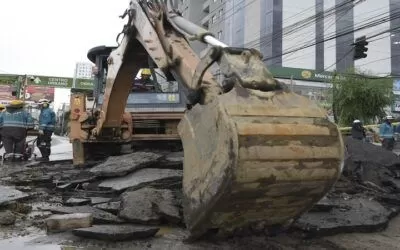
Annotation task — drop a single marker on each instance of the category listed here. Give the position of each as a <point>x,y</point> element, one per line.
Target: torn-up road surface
<point>136,199</point>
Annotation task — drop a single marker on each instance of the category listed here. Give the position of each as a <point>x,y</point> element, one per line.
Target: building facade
<point>83,70</point>
<point>313,34</point>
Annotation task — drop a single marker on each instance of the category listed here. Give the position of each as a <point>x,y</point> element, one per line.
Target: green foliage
<point>65,126</point>
<point>358,96</point>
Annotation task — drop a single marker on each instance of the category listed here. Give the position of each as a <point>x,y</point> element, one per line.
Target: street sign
<point>84,84</point>
<point>48,81</point>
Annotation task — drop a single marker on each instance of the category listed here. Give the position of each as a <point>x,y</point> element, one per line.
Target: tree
<point>63,124</point>
<point>356,95</point>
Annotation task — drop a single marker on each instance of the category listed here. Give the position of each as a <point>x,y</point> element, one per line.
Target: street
<point>359,213</point>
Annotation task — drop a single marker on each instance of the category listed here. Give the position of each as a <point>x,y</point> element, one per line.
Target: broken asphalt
<point>133,201</point>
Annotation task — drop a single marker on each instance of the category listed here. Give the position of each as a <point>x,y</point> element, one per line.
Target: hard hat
<point>145,72</point>
<point>389,117</point>
<point>356,121</point>
<point>15,103</point>
<point>41,101</point>
<point>2,106</point>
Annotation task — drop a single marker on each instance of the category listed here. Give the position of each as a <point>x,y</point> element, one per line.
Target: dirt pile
<point>140,191</point>
<point>364,199</point>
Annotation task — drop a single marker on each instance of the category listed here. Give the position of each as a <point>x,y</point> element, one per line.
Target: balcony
<point>205,20</point>
<point>206,6</point>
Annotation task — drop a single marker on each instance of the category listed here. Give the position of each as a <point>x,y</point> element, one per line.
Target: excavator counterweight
<point>254,151</point>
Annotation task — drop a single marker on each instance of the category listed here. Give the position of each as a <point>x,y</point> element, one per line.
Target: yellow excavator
<point>253,150</point>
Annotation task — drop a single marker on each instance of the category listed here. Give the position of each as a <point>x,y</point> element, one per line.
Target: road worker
<point>14,123</point>
<point>47,122</point>
<point>144,84</point>
<point>386,133</point>
<point>358,131</point>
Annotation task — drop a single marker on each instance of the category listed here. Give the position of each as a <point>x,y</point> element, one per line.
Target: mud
<point>111,207</point>
<point>116,232</point>
<point>149,206</point>
<point>365,199</point>
<point>99,216</point>
<point>8,195</point>
<point>354,215</point>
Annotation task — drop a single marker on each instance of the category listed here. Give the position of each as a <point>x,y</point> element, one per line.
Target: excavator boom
<point>253,150</point>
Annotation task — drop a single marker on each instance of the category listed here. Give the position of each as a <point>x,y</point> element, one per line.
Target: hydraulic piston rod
<point>191,29</point>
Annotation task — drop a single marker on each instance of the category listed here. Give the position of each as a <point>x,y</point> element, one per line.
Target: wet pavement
<point>61,148</point>
<point>148,214</point>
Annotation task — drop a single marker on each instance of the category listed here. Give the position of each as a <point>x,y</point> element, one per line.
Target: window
<point>219,35</point>
<point>221,12</point>
<point>213,19</point>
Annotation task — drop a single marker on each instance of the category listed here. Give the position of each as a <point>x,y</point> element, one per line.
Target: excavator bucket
<point>252,156</point>
<point>253,150</point>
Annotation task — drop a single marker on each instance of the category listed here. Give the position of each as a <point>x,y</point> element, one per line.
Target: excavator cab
<point>156,101</point>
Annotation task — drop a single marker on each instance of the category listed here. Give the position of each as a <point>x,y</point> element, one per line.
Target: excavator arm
<point>253,150</point>
<point>162,33</point>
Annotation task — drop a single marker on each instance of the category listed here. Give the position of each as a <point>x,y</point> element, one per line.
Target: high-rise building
<point>196,12</point>
<point>83,70</point>
<point>311,34</point>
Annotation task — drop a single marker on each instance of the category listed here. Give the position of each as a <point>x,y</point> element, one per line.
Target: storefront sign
<point>35,93</point>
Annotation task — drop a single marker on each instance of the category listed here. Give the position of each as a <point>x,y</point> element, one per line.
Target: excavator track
<point>252,156</point>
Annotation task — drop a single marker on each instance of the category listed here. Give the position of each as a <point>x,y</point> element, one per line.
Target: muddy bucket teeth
<point>254,156</point>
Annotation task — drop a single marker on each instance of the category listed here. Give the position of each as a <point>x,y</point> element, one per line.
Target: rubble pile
<point>137,195</point>
<point>364,199</point>
<point>124,197</point>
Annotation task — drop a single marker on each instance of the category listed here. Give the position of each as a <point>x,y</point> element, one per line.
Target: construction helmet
<point>42,101</point>
<point>146,72</point>
<point>2,106</point>
<point>389,117</point>
<point>356,121</point>
<point>16,103</point>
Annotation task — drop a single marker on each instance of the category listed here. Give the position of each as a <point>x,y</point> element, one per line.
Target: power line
<point>381,59</point>
<point>362,27</point>
<point>350,30</point>
<point>334,21</point>
<point>302,24</point>
<point>341,59</point>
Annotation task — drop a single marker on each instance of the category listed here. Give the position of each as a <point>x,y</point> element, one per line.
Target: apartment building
<point>312,34</point>
<point>83,70</point>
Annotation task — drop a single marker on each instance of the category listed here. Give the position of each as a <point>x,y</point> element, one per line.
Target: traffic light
<point>360,48</point>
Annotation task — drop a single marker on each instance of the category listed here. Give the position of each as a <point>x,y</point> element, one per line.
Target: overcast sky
<point>47,37</point>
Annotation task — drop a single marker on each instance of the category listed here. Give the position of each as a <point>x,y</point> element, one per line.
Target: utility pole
<point>291,83</point>
<point>62,119</point>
